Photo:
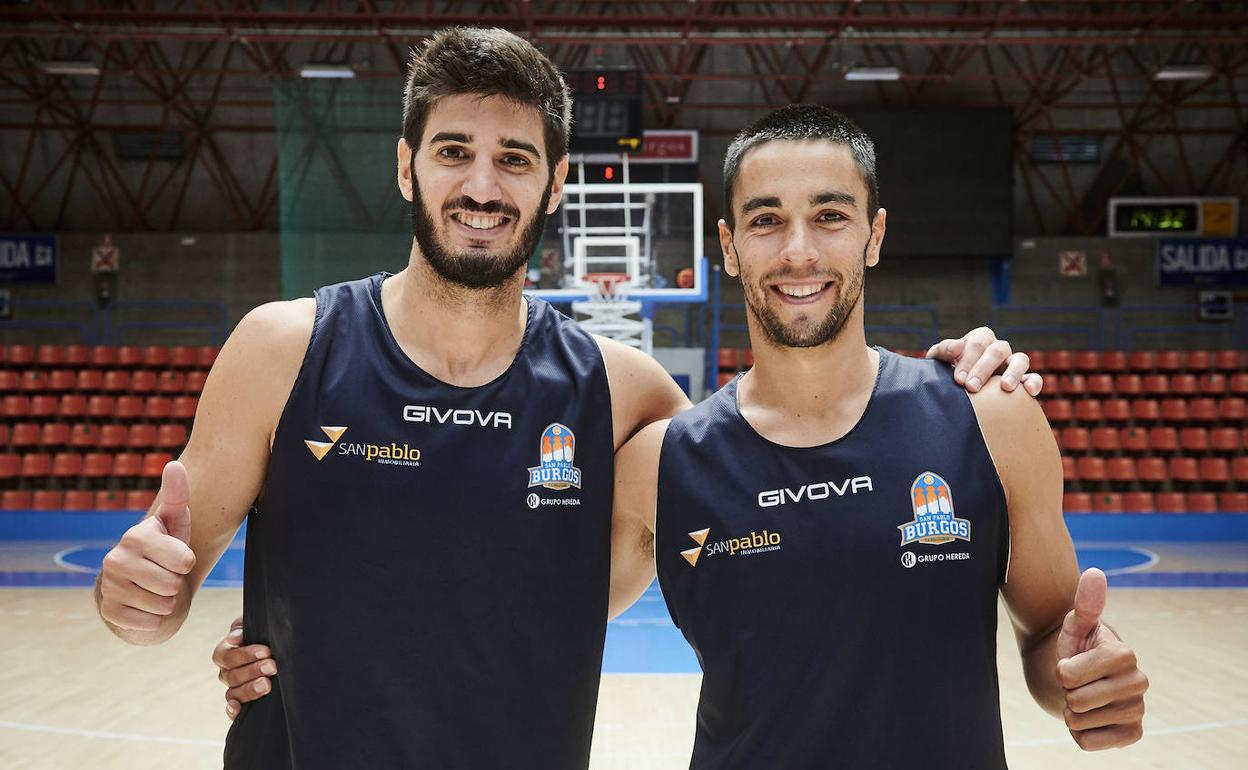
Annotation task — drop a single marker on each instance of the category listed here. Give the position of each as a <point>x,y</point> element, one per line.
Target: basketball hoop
<point>607,284</point>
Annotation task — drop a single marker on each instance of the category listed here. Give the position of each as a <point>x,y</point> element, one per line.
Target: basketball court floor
<point>77,698</point>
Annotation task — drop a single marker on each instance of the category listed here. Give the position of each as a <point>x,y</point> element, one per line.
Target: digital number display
<point>603,82</point>
<point>1158,217</point>
<point>599,119</point>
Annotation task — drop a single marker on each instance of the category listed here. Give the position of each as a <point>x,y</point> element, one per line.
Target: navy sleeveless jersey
<point>841,599</point>
<point>430,563</point>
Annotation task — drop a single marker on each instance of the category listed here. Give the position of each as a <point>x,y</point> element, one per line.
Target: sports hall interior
<point>1070,174</point>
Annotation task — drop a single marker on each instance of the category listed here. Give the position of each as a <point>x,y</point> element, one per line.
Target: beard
<point>804,332</point>
<point>476,268</point>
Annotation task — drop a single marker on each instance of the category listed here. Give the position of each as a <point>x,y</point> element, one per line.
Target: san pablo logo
<point>746,545</point>
<point>321,448</point>
<point>392,453</point>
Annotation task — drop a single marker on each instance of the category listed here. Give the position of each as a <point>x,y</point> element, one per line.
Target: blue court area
<point>1181,551</point>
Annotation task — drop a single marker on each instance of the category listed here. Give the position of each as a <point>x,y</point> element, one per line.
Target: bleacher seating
<point>91,428</point>
<point>1140,431</point>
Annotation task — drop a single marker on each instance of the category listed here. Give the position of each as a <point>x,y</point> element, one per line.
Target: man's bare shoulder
<point>641,389</point>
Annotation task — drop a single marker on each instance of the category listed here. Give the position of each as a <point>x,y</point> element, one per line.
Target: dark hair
<point>797,122</point>
<point>487,62</point>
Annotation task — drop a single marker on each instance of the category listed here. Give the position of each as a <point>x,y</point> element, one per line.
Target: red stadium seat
<point>140,499</point>
<point>143,382</point>
<point>1073,385</point>
<point>1059,360</point>
<point>48,500</point>
<point>142,436</point>
<point>1184,469</point>
<point>1070,472</point>
<point>1202,409</point>
<point>1156,384</point>
<point>50,355</point>
<point>1163,439</point>
<point>66,465</point>
<point>10,465</point>
<point>184,407</point>
<point>1225,440</point>
<point>79,500</point>
<point>205,355</point>
<point>20,355</point>
<point>104,356</point>
<point>746,356</point>
<point>1091,468</point>
<point>101,406</point>
<point>1227,360</point>
<point>77,356</point>
<point>1037,360</point>
<point>36,464</point>
<point>171,436</point>
<point>89,380</point>
<point>1152,470</point>
<point>171,382</point>
<point>1169,360</point>
<point>728,359</point>
<point>1197,360</point>
<point>1052,386</point>
<point>1076,502</point>
<point>157,408</point>
<point>1233,408</point>
<point>1088,411</point>
<point>1120,469</point>
<point>34,381</point>
<point>1183,384</point>
<point>1239,384</point>
<point>113,436</point>
<point>1100,384</point>
<point>1105,439</point>
<point>9,381</point>
<point>127,465</point>
<point>1075,439</point>
<point>1138,502</point>
<point>116,381</point>
<point>1134,439</point>
<point>15,407</point>
<point>183,357</point>
<point>16,500</point>
<point>1212,384</point>
<point>97,465</point>
<point>44,405</point>
<point>62,380</point>
<point>1194,440</point>
<point>155,356</point>
<point>1087,361</point>
<point>1141,360</point>
<point>4,435</point>
<point>25,434</point>
<point>1233,502</point>
<point>1239,469</point>
<point>84,436</point>
<point>1202,502</point>
<point>129,356</point>
<point>1116,409</point>
<point>129,407</point>
<point>1171,502</point>
<point>1174,410</point>
<point>110,500</point>
<point>1128,385</point>
<point>1107,502</point>
<point>1113,361</point>
<point>1214,470</point>
<point>195,380</point>
<point>54,434</point>
<point>154,464</point>
<point>1145,410</point>
<point>72,405</point>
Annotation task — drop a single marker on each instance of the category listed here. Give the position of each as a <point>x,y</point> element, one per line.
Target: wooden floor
<point>72,697</point>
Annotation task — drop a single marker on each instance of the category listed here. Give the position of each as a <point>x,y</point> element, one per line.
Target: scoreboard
<point>1142,217</point>
<point>606,109</point>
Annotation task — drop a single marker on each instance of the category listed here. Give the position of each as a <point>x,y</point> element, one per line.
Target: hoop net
<point>607,286</point>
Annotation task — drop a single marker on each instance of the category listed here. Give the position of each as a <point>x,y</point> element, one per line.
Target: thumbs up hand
<point>1104,687</point>
<point>145,573</point>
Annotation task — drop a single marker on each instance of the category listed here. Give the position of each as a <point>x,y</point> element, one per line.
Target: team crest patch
<point>556,470</point>
<point>934,520</point>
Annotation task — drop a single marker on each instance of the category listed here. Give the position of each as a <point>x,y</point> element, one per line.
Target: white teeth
<point>479,222</point>
<point>802,291</point>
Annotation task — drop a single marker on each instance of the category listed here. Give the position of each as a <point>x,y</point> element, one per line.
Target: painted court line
<point>109,735</point>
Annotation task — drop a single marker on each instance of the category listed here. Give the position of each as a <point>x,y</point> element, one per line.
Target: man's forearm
<point>1040,670</point>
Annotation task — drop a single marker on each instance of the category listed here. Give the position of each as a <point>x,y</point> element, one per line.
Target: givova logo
<point>746,545</point>
<point>321,448</point>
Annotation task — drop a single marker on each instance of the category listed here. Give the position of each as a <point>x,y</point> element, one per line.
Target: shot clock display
<point>606,109</point>
<point>1140,217</point>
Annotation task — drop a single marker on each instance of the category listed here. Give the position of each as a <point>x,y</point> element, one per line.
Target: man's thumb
<point>174,512</point>
<point>1084,619</point>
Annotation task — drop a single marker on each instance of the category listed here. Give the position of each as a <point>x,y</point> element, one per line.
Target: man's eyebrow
<point>516,144</point>
<point>451,136</point>
<point>760,203</point>
<point>833,197</point>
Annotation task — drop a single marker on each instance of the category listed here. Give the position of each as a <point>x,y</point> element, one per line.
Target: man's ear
<point>405,169</point>
<point>556,185</point>
<point>731,265</point>
<point>877,238</point>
